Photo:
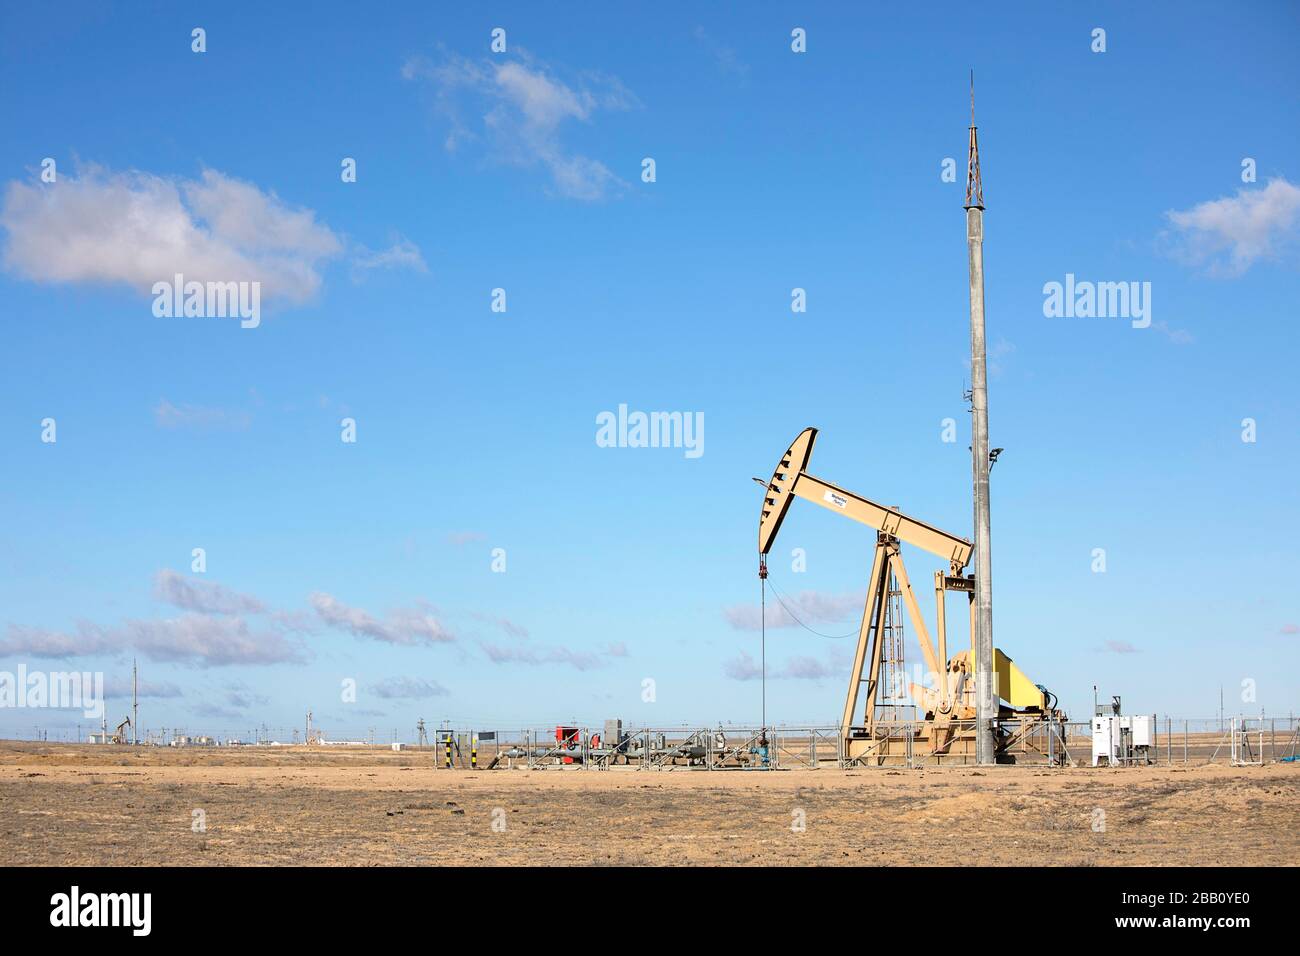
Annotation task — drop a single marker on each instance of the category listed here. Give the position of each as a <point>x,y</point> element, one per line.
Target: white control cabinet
<point>1119,739</point>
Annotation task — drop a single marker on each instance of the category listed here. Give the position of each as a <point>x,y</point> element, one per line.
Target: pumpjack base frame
<point>933,743</point>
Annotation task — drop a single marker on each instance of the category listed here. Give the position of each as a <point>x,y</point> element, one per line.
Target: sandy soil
<point>69,804</point>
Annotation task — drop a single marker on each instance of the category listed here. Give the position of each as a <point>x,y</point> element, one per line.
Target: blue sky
<point>372,561</point>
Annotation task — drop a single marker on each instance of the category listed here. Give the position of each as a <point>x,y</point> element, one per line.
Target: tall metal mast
<point>986,700</point>
<point>135,702</point>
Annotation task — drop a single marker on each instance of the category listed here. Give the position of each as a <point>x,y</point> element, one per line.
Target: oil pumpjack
<point>947,710</point>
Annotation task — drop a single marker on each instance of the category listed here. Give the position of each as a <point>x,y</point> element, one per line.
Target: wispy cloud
<point>724,56</point>
<point>1227,236</point>
<point>200,639</point>
<point>523,108</point>
<point>806,668</point>
<point>404,626</point>
<point>121,687</point>
<point>999,357</point>
<point>215,631</point>
<point>1177,336</point>
<point>205,640</point>
<point>241,696</point>
<point>408,688</point>
<point>167,415</point>
<point>465,537</point>
<point>46,642</point>
<point>193,594</point>
<point>216,711</point>
<point>810,607</point>
<point>744,667</point>
<point>507,625</point>
<point>535,656</point>
<point>402,254</point>
<point>1119,647</point>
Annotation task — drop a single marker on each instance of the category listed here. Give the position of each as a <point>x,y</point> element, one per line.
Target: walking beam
<point>791,480</point>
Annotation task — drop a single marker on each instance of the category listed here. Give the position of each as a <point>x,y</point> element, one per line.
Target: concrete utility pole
<point>986,700</point>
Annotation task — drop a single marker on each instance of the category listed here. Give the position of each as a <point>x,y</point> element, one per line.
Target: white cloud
<point>43,642</point>
<point>404,626</point>
<point>136,228</point>
<point>523,107</point>
<point>205,640</point>
<point>193,594</point>
<point>809,607</point>
<point>209,641</point>
<point>1227,236</point>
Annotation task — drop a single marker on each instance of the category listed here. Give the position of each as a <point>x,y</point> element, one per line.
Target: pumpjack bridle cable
<point>762,627</point>
<point>794,617</point>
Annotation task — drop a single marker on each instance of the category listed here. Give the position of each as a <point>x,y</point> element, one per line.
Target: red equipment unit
<point>567,737</point>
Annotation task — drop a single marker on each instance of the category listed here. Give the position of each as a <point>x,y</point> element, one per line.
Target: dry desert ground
<point>64,804</point>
